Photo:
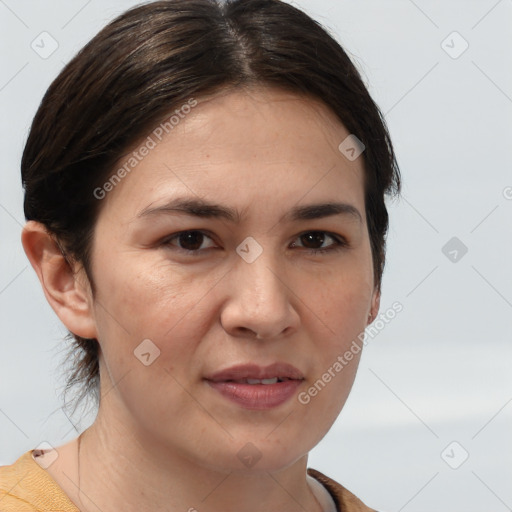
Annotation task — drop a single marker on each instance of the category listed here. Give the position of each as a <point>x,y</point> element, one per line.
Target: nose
<point>260,301</point>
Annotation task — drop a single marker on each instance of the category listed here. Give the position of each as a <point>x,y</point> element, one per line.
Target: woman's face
<point>243,178</point>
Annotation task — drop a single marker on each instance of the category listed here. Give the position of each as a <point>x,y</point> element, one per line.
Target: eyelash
<point>340,242</point>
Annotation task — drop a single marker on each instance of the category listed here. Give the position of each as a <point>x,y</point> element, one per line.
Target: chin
<point>253,456</point>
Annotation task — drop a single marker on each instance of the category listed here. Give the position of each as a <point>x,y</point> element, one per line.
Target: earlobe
<point>375,306</point>
<point>68,295</point>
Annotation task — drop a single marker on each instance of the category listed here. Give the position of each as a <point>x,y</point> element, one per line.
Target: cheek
<point>341,301</point>
<point>339,312</point>
<point>345,317</point>
<point>138,301</point>
<point>141,293</point>
<point>337,353</point>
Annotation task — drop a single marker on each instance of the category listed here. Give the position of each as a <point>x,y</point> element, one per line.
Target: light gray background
<point>440,371</point>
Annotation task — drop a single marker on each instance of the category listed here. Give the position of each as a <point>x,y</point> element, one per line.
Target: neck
<point>117,467</point>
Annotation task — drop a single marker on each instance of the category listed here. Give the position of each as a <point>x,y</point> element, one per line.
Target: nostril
<point>248,331</point>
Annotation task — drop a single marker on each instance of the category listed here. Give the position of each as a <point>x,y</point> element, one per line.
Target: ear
<point>67,289</point>
<point>375,306</point>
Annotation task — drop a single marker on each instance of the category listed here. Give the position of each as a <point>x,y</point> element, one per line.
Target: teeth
<point>273,380</point>
<point>261,381</point>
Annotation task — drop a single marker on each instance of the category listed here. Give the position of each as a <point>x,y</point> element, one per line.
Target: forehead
<point>238,147</point>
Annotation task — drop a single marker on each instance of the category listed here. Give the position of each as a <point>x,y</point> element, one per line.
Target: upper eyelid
<point>335,236</point>
<point>177,234</point>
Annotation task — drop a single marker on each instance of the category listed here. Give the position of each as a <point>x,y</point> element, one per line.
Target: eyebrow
<point>204,209</point>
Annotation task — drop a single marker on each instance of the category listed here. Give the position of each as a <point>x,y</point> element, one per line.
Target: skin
<point>163,439</point>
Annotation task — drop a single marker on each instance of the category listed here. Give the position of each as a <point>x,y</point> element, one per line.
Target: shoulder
<point>345,501</point>
<point>14,481</point>
<point>26,487</point>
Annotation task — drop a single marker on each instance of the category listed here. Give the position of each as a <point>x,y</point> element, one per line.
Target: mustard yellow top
<point>27,487</point>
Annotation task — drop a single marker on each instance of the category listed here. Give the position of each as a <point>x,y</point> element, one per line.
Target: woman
<point>205,188</point>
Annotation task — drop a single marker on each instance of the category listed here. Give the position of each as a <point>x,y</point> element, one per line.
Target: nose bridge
<point>258,280</point>
<point>258,298</point>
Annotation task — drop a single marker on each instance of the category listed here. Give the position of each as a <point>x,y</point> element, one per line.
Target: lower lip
<point>257,396</point>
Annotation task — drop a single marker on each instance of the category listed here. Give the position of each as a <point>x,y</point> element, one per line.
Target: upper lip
<point>253,371</point>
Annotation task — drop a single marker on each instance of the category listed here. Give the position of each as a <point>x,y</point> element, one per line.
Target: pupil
<point>191,241</point>
<point>312,238</point>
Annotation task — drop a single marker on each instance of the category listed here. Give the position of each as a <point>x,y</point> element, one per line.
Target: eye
<point>194,242</point>
<point>189,241</point>
<point>318,242</point>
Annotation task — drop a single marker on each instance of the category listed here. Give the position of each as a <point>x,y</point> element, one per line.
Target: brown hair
<point>154,58</point>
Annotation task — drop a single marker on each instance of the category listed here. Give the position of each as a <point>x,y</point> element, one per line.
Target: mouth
<point>272,380</point>
<point>257,387</point>
<point>250,373</point>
